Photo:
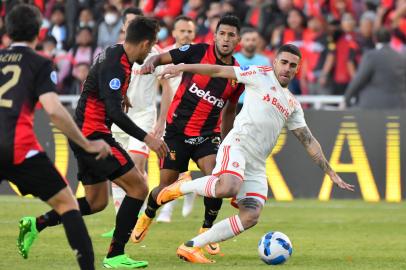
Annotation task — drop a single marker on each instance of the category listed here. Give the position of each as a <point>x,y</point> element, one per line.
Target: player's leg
<point>38,176</point>
<point>189,199</point>
<point>136,188</point>
<point>250,209</point>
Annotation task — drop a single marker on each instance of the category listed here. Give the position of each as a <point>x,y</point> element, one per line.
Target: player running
<point>27,78</point>
<point>240,163</point>
<point>194,118</point>
<point>99,106</point>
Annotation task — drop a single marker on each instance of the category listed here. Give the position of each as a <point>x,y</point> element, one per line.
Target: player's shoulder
<point>194,47</point>
<point>111,53</point>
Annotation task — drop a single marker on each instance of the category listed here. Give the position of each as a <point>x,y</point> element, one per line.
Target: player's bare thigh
<point>63,201</point>
<point>134,184</point>
<point>206,164</point>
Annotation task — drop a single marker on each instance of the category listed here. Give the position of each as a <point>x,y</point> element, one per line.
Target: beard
<point>222,54</point>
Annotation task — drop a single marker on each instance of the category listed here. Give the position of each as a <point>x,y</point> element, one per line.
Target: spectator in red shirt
<point>166,10</point>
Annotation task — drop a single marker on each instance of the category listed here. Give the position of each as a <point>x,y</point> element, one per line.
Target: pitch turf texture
<point>334,235</point>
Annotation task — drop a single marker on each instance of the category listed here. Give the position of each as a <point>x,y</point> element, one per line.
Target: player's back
<point>22,81</point>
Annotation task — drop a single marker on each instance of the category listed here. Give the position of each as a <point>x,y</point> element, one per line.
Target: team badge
<point>216,140</point>
<point>236,164</point>
<point>115,84</point>
<point>172,155</point>
<point>54,77</point>
<point>233,83</point>
<point>184,48</point>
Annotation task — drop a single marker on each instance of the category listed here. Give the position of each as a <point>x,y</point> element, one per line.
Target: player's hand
<point>126,104</point>
<point>340,182</point>
<point>148,67</point>
<point>156,145</point>
<point>159,129</point>
<point>171,71</point>
<point>99,147</point>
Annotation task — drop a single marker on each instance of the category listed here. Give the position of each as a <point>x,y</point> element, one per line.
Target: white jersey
<point>142,93</point>
<point>267,108</point>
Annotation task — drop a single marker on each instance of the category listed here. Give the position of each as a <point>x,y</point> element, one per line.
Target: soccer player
<point>194,118</point>
<point>99,106</point>
<point>141,95</point>
<point>184,32</point>
<point>26,79</point>
<point>240,163</point>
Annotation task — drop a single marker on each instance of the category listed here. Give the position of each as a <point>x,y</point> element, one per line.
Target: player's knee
<point>98,205</point>
<point>227,187</point>
<point>249,219</point>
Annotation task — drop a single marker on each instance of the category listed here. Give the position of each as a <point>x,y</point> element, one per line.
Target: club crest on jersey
<point>115,84</point>
<point>54,77</point>
<point>244,68</point>
<point>184,48</point>
<point>236,164</point>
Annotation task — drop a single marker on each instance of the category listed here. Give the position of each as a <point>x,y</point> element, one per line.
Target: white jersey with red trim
<point>267,108</point>
<point>142,93</point>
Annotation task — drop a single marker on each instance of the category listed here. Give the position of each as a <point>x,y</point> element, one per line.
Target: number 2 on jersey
<point>16,70</point>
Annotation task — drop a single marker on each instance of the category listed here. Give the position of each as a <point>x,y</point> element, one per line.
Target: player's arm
<point>204,69</point>
<point>166,100</point>
<point>228,116</point>
<point>156,60</point>
<point>62,120</point>
<point>314,150</point>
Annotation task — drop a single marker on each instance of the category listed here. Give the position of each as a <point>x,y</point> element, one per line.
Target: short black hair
<point>382,35</point>
<point>229,20</point>
<point>142,28</point>
<point>183,18</point>
<point>23,22</point>
<point>290,48</point>
<point>132,10</point>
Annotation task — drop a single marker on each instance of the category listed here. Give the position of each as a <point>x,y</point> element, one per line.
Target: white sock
<point>221,231</point>
<point>118,196</point>
<point>168,207</point>
<point>204,186</point>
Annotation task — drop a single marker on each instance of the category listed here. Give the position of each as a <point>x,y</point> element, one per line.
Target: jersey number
<point>16,70</point>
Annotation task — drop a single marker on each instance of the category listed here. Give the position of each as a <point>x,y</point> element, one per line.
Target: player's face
<point>184,32</point>
<point>226,39</point>
<point>286,66</point>
<point>144,49</point>
<point>249,41</point>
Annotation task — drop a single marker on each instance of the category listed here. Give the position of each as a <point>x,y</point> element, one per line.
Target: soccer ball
<point>274,248</point>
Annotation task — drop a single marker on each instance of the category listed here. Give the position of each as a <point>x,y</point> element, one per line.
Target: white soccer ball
<point>274,248</point>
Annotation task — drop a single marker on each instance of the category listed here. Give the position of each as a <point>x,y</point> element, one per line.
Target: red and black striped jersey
<point>107,82</point>
<point>24,77</point>
<point>198,102</point>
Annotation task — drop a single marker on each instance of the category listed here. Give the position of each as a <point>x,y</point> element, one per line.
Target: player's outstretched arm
<point>204,69</point>
<point>62,120</point>
<point>314,150</point>
<point>166,100</point>
<point>154,61</point>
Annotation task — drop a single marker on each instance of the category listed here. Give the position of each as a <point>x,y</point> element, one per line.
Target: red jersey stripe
<point>119,156</point>
<point>94,117</point>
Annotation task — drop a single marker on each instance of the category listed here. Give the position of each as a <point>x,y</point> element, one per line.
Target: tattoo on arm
<point>313,148</point>
<point>250,203</point>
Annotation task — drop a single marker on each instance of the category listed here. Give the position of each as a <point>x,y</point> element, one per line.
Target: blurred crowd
<point>332,34</point>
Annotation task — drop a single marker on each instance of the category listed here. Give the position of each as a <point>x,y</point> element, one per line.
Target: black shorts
<point>36,175</point>
<point>183,148</point>
<point>92,171</point>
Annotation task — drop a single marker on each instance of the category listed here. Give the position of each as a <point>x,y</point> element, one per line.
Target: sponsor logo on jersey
<point>248,73</point>
<point>219,102</point>
<point>184,48</point>
<point>244,68</point>
<point>266,98</point>
<point>216,140</point>
<point>280,107</point>
<point>115,84</point>
<point>54,77</point>
<point>195,140</point>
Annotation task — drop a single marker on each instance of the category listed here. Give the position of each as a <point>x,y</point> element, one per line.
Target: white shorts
<point>132,145</point>
<point>232,159</point>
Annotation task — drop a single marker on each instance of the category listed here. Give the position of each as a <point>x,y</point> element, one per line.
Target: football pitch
<point>341,234</point>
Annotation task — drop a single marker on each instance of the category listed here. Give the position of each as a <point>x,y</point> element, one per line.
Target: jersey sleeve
<point>249,75</point>
<point>296,119</point>
<point>111,79</point>
<point>46,79</point>
<point>188,54</point>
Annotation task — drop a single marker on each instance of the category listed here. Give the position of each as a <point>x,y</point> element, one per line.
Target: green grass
<point>334,235</point>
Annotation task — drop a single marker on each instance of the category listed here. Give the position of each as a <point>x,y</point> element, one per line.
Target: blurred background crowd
<point>333,35</point>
